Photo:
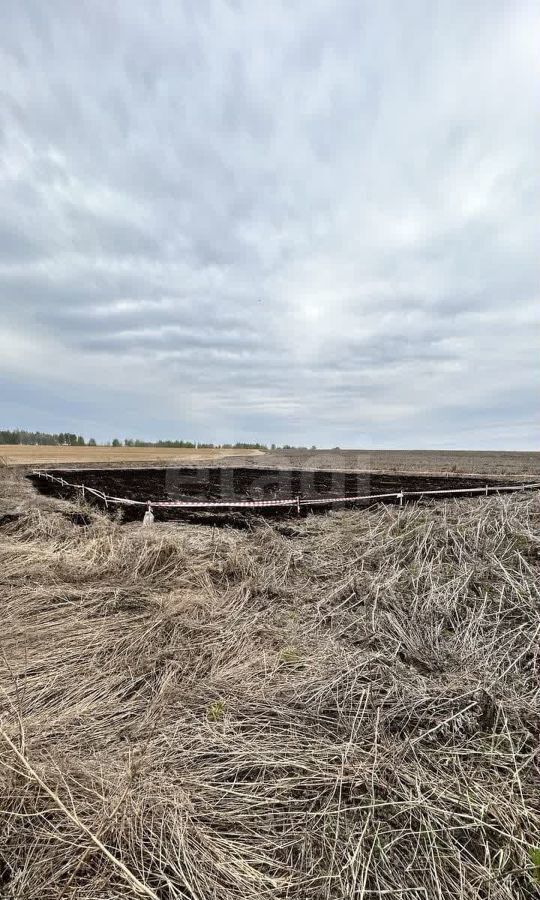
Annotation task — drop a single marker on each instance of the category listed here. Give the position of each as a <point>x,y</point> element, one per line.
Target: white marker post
<point>148,517</point>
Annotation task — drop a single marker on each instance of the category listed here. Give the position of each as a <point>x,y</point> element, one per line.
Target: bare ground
<point>514,464</point>
<point>342,707</point>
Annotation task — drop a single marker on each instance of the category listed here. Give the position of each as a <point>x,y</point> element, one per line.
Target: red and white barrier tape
<point>233,503</point>
<point>291,501</point>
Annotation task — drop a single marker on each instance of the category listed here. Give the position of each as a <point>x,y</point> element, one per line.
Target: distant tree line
<point>67,439</point>
<point>239,445</point>
<point>134,442</point>
<point>17,436</point>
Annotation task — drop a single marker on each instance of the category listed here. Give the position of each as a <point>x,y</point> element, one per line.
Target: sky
<point>309,222</point>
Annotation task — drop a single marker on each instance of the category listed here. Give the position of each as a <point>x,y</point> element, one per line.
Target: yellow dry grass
<point>24,454</point>
<point>346,707</point>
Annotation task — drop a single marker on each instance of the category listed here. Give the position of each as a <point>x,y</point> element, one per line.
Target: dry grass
<point>25,454</point>
<point>347,709</point>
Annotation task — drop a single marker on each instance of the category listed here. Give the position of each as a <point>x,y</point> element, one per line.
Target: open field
<point>497,463</point>
<point>29,455</point>
<point>436,462</point>
<point>344,706</point>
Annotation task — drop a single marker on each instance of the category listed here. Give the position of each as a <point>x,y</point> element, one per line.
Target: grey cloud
<point>15,245</point>
<point>170,338</point>
<point>307,221</point>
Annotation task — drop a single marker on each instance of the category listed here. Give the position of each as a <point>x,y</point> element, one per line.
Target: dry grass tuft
<point>349,709</point>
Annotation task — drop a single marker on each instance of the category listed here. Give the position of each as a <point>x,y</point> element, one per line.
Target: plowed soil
<point>227,483</point>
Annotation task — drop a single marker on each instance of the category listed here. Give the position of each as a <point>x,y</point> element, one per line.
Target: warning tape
<point>291,501</point>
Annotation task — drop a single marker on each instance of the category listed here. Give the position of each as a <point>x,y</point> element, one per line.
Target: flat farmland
<point>513,464</point>
<point>30,455</point>
<point>496,463</point>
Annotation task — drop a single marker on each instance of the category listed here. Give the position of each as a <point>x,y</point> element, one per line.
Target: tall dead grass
<point>345,710</point>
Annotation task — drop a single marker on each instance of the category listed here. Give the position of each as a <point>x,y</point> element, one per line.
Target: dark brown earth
<point>242,483</point>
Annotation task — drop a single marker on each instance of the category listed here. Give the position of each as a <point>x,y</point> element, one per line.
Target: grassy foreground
<point>346,708</point>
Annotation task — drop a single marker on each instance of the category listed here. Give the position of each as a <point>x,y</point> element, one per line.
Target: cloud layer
<point>305,223</point>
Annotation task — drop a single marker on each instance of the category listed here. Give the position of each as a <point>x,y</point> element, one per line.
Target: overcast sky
<point>314,221</point>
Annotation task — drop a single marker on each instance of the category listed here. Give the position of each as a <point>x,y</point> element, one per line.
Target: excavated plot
<point>253,483</point>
